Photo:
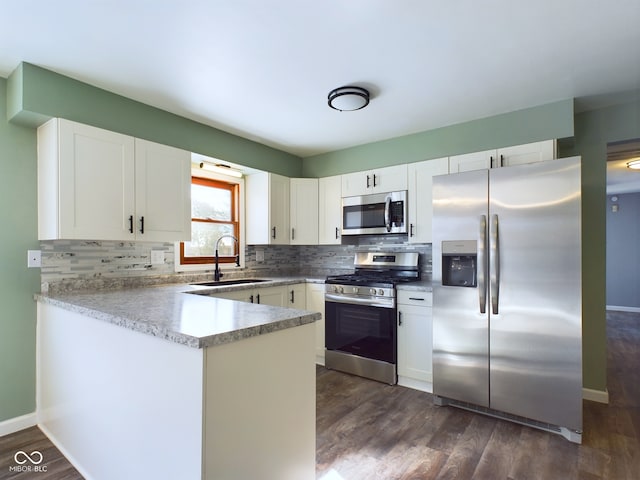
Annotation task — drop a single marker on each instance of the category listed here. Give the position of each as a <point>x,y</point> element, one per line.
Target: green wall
<point>554,120</point>
<point>37,94</point>
<point>18,214</point>
<point>593,131</point>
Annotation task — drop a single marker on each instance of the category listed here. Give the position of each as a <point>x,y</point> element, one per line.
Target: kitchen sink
<point>222,283</point>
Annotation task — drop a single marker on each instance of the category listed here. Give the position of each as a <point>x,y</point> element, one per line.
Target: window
<point>214,212</point>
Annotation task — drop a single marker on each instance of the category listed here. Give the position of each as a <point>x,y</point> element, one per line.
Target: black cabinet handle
<point>337,231</point>
<point>374,180</point>
<point>491,161</point>
<point>258,298</point>
<point>130,223</point>
<point>400,318</point>
<point>411,229</point>
<point>502,160</point>
<point>142,225</point>
<point>416,298</point>
<point>293,234</point>
<point>251,298</point>
<point>368,181</point>
<point>293,298</point>
<point>273,233</point>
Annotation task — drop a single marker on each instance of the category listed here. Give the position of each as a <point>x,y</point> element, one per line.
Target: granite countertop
<point>171,312</point>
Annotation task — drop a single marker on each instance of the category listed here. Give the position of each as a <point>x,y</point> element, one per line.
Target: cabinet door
<point>267,207</point>
<point>96,182</point>
<point>329,210</point>
<point>163,193</point>
<point>472,161</point>
<point>420,176</point>
<point>355,184</point>
<point>274,296</point>
<point>296,296</point>
<point>390,179</point>
<point>315,303</point>
<point>279,209</point>
<point>414,342</point>
<point>303,207</point>
<point>528,153</point>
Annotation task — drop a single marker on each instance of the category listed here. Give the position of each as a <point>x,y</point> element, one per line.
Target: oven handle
<point>390,303</point>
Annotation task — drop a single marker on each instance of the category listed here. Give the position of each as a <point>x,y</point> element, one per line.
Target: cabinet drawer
<point>412,297</point>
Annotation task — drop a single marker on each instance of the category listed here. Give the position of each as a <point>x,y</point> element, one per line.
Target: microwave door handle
<point>387,214</point>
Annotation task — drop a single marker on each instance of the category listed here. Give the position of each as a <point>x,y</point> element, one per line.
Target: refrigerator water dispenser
<point>460,263</point>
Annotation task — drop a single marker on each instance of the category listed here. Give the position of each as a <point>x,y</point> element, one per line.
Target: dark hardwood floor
<point>368,430</point>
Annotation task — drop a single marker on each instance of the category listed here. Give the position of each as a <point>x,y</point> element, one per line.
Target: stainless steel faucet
<point>217,273</point>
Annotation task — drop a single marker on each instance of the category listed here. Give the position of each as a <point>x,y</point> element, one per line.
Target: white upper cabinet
<point>163,192</point>
<point>387,179</point>
<point>504,157</point>
<point>267,207</point>
<point>94,184</point>
<point>330,210</point>
<point>304,211</point>
<point>420,178</point>
<point>527,153</point>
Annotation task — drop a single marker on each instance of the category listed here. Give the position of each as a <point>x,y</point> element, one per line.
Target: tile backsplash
<point>79,264</point>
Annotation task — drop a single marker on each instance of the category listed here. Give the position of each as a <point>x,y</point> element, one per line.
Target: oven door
<point>360,329</point>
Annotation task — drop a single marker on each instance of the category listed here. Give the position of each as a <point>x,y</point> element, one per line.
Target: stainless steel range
<point>360,314</point>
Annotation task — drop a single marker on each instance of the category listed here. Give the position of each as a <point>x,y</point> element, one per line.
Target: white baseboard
<point>600,396</point>
<point>19,423</point>
<point>421,385</point>
<point>618,308</point>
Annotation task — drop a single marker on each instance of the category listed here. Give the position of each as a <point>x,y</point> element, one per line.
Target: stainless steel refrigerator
<point>507,315</point>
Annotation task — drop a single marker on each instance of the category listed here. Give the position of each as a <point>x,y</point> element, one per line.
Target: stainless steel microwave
<point>377,214</point>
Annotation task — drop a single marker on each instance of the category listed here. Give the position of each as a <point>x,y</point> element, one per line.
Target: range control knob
<point>372,291</point>
<point>341,289</point>
<point>381,292</point>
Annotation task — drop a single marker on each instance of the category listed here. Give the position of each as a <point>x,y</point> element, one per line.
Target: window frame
<point>236,185</point>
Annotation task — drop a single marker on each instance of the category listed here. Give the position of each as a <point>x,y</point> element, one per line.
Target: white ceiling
<point>263,69</point>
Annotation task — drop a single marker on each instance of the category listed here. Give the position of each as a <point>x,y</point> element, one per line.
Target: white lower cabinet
<point>290,296</point>
<point>296,296</point>
<point>415,339</point>
<point>274,296</point>
<point>315,303</point>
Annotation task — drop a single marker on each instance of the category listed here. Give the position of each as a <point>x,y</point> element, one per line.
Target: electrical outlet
<point>157,257</point>
<point>259,255</point>
<point>34,258</point>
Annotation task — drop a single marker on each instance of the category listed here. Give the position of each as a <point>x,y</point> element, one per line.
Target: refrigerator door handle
<point>494,264</point>
<point>482,264</point>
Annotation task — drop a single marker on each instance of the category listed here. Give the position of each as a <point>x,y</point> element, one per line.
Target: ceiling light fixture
<point>221,168</point>
<point>347,99</point>
<point>634,164</point>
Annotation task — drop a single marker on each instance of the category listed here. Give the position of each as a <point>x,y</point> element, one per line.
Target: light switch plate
<point>34,258</point>
<point>157,257</point>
